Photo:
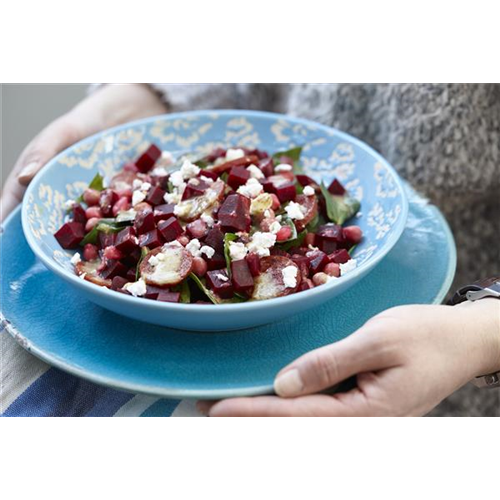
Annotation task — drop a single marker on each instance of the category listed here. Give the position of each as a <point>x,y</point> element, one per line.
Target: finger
<point>59,135</point>
<point>366,350</point>
<point>11,197</point>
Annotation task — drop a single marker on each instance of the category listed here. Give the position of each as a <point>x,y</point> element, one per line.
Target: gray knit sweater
<point>443,138</point>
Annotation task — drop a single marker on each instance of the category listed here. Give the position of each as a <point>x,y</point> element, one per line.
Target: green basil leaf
<point>339,208</point>
<point>296,242</point>
<point>105,226</point>
<point>227,238</point>
<point>90,237</point>
<point>201,163</point>
<point>144,252</point>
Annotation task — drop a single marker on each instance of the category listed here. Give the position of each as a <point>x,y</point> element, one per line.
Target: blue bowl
<point>327,153</point>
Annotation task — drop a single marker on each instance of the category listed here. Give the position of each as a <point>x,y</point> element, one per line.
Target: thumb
<point>364,351</point>
<point>57,136</point>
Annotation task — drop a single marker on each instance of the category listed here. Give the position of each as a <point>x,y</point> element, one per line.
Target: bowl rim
<point>352,276</point>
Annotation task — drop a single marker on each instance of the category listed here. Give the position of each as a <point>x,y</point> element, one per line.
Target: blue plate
<point>327,153</point>
<point>51,320</point>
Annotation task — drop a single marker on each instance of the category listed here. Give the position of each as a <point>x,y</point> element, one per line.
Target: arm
<point>407,360</point>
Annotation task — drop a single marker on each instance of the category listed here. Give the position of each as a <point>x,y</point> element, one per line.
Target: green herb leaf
<point>339,208</point>
<point>144,252</point>
<point>351,250</point>
<point>227,238</point>
<point>312,227</point>
<point>201,163</point>
<point>286,221</point>
<point>294,154</point>
<point>201,285</point>
<point>184,290</point>
<point>96,183</point>
<point>296,242</point>
<point>105,226</point>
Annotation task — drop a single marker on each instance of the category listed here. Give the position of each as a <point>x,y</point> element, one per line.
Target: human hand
<point>107,107</point>
<point>407,360</point>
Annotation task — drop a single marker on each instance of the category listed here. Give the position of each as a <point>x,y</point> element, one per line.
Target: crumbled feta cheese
<point>76,259</point>
<point>136,184</point>
<point>279,217</point>
<point>207,219</point>
<point>237,250</point>
<point>308,191</point>
<point>283,167</point>
<point>167,158</point>
<point>208,180</point>
<point>294,211</point>
<point>348,266</point>
<point>289,276</point>
<point>137,289</point>
<point>267,213</point>
<point>145,186</point>
<point>255,172</point>
<point>176,178</point>
<point>137,197</point>
<point>174,243</point>
<point>222,277</point>
<point>194,247</point>
<point>251,189</point>
<point>154,260</point>
<point>172,197</point>
<point>234,154</point>
<point>69,204</point>
<point>189,170</point>
<point>275,227</point>
<point>208,251</point>
<point>159,172</point>
<point>261,243</point>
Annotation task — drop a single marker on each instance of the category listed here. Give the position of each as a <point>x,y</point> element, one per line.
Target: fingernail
<point>28,171</point>
<point>289,384</point>
<point>202,407</point>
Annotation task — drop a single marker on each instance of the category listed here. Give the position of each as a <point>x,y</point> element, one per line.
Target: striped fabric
<point>31,388</point>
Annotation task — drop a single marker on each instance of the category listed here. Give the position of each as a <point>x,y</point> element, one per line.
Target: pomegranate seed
<point>90,252</point>
<point>284,233</point>
<point>199,267</point>
<point>320,279</point>
<point>92,212</point>
<point>122,204</point>
<point>353,234</point>
<point>127,193</point>
<point>112,253</point>
<point>91,197</point>
<point>332,269</point>
<point>91,223</point>
<point>183,240</point>
<point>276,202</point>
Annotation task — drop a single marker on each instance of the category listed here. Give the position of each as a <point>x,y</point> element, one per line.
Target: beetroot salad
<point>237,225</point>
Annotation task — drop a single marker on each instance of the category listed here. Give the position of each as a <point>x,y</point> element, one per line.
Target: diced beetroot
<point>267,166</point>
<point>305,180</point>
<point>303,263</point>
<point>237,177</point>
<point>253,261</point>
<point>130,274</point>
<point>215,155</point>
<point>257,152</point>
<point>310,239</point>
<point>112,253</point>
<point>166,296</point>
<point>112,268</point>
<point>330,237</point>
<point>234,214</point>
<point>90,252</point>
<point>353,234</point>
<point>163,212</point>
<point>195,187</point>
<point>118,282</point>
<point>106,201</point>
<point>79,214</point>
<point>146,161</point>
<point>208,173</point>
<point>132,258</point>
<point>126,240</point>
<point>152,292</point>
<point>285,192</point>
<point>197,229</point>
<point>217,261</point>
<point>106,239</point>
<point>339,256</point>
<point>159,180</point>
<point>336,188</point>
<point>130,167</point>
<point>144,222</point>
<point>317,260</point>
<point>170,229</point>
<point>70,234</point>
<point>219,282</point>
<point>245,161</point>
<point>152,239</point>
<point>155,195</point>
<point>241,276</point>
<point>215,239</point>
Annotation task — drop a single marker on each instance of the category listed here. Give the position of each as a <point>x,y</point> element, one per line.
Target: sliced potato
<point>191,209</point>
<point>89,270</point>
<point>270,284</point>
<point>310,205</point>
<point>173,264</point>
